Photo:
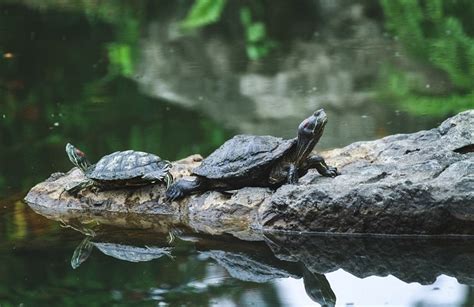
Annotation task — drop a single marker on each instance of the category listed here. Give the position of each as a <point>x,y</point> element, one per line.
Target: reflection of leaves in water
<point>203,12</point>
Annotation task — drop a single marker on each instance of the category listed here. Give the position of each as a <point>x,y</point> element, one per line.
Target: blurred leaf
<point>256,32</point>
<point>258,44</point>
<point>437,106</point>
<point>402,88</point>
<point>435,9</point>
<point>440,34</point>
<point>245,16</point>
<point>435,31</point>
<point>120,59</point>
<point>253,52</point>
<point>203,12</point>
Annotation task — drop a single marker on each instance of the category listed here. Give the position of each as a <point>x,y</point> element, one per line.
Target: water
<point>145,267</point>
<point>120,77</point>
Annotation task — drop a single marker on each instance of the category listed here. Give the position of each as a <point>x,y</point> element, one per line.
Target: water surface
<point>121,77</point>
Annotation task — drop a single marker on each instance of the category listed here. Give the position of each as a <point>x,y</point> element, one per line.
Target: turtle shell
<point>123,165</point>
<point>243,156</point>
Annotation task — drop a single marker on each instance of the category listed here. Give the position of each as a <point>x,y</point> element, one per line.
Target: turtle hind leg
<point>183,187</point>
<point>161,175</point>
<point>168,180</point>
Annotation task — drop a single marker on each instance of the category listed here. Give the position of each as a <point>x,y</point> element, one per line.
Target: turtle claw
<point>332,172</point>
<point>182,188</point>
<point>173,193</point>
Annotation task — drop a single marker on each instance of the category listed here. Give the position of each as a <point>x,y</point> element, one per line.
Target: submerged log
<point>419,183</point>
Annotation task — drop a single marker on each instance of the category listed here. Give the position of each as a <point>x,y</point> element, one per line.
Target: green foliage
<point>440,33</point>
<point>437,106</point>
<point>120,57</point>
<point>258,45</point>
<point>454,53</point>
<point>404,17</point>
<point>402,87</point>
<point>203,12</point>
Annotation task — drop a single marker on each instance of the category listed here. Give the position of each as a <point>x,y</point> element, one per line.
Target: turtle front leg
<point>292,174</point>
<point>74,189</point>
<point>183,187</point>
<point>320,165</point>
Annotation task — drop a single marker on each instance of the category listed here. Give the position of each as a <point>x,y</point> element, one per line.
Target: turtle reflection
<point>118,251</point>
<point>82,252</point>
<point>318,288</point>
<point>249,262</point>
<point>84,227</point>
<point>262,267</point>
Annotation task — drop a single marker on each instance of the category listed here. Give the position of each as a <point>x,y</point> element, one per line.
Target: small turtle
<point>120,169</point>
<point>119,251</point>
<point>265,161</point>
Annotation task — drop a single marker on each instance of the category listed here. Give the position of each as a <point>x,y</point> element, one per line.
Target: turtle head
<point>309,133</point>
<point>77,157</point>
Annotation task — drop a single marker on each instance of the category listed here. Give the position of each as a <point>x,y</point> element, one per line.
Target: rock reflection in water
<point>244,261</point>
<point>282,256</point>
<point>412,259</point>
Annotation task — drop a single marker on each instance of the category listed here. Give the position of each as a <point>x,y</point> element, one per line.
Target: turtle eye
<point>80,153</point>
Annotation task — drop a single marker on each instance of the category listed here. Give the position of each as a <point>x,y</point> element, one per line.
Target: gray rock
<point>420,183</point>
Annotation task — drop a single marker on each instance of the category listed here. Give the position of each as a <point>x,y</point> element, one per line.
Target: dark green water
<point>75,73</point>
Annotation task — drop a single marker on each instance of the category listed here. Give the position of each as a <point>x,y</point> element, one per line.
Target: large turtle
<point>120,169</point>
<point>267,161</point>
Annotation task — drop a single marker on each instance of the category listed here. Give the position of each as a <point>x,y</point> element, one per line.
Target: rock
<point>419,183</point>
<point>51,194</point>
<point>235,213</point>
<point>305,256</point>
<point>416,183</point>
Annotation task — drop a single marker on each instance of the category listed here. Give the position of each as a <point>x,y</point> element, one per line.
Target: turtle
<point>261,161</point>
<point>118,251</point>
<point>119,169</point>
